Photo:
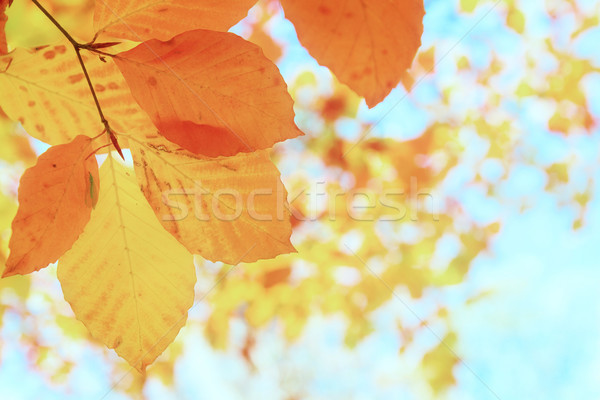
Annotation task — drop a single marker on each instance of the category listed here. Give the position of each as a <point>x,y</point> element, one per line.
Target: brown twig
<point>78,46</point>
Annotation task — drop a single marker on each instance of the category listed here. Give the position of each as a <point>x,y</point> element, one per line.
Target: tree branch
<point>78,46</point>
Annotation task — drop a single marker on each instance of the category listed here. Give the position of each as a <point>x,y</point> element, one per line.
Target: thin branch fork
<point>91,47</point>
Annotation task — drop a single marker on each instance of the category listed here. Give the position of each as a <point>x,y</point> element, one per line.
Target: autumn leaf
<point>229,209</point>
<point>46,91</point>
<point>141,20</point>
<point>515,19</point>
<point>126,278</point>
<point>468,6</point>
<point>276,276</point>
<point>435,364</point>
<point>367,44</point>
<point>15,146</point>
<point>212,93</point>
<point>255,225</point>
<point>3,18</point>
<point>270,48</point>
<point>54,206</point>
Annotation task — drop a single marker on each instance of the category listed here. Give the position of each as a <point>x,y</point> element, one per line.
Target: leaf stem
<point>89,81</point>
<point>78,46</point>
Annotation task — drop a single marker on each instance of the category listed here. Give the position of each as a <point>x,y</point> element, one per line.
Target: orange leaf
<point>212,93</point>
<point>272,49</point>
<point>141,20</point>
<point>367,44</point>
<point>276,276</point>
<point>55,200</point>
<point>3,18</point>
<point>230,209</point>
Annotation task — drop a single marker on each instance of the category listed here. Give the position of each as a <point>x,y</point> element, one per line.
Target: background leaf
<point>367,44</point>
<point>3,19</point>
<point>15,145</point>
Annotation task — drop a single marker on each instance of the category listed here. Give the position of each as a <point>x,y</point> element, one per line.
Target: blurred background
<point>482,286</point>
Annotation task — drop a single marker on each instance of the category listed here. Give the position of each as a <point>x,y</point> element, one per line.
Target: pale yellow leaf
<point>516,20</point>
<point>468,6</point>
<point>15,145</point>
<point>46,91</point>
<point>126,278</point>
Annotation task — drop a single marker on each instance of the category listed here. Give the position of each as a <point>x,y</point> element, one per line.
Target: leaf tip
<point>115,143</point>
<point>141,368</point>
<point>9,271</point>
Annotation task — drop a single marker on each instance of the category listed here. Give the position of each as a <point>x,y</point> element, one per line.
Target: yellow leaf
<point>559,123</point>
<point>141,20</point>
<point>588,23</point>
<point>260,311</point>
<point>8,209</point>
<point>28,27</point>
<point>46,91</point>
<point>229,209</point>
<point>358,329</point>
<point>463,63</point>
<point>438,364</point>
<point>15,147</point>
<point>516,20</point>
<point>19,284</point>
<point>72,328</point>
<point>468,5</point>
<point>126,278</point>
<point>524,90</point>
